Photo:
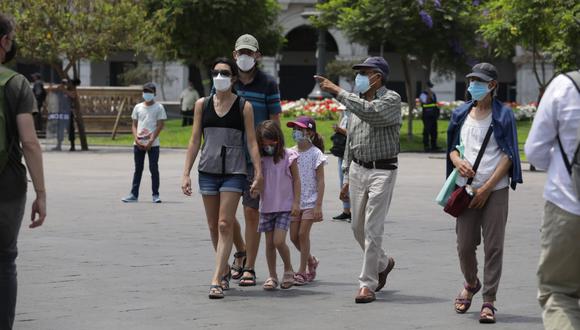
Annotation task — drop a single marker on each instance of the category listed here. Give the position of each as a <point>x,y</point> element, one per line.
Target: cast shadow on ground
<point>392,296</point>
<point>258,292</point>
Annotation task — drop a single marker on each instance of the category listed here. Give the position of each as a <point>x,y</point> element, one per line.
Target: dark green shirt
<point>18,100</point>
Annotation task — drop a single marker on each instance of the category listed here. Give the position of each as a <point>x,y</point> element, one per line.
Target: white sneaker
<point>156,199</point>
<point>130,199</point>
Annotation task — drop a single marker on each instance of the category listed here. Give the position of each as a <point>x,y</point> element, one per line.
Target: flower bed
<point>521,111</point>
<point>329,109</point>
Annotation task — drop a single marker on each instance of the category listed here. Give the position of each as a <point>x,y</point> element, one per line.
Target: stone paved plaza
<point>100,264</point>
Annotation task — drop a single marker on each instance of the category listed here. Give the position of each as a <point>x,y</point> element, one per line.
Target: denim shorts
<point>213,184</point>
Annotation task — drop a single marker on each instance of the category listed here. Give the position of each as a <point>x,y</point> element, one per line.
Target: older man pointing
<point>370,165</point>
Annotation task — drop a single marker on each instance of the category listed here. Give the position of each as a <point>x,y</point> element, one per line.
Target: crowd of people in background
<point>236,133</point>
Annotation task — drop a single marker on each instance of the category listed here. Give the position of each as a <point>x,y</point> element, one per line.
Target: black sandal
<point>216,292</point>
<point>225,281</point>
<point>248,280</point>
<point>237,270</point>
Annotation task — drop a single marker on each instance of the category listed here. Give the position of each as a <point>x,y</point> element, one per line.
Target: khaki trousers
<point>489,221</point>
<point>371,191</point>
<point>559,269</point>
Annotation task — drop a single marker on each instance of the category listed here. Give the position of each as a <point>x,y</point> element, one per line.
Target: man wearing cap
<point>370,165</point>
<point>148,121</point>
<point>470,125</point>
<point>429,115</point>
<point>261,90</point>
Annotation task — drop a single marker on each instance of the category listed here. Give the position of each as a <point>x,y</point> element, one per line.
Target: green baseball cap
<point>247,41</point>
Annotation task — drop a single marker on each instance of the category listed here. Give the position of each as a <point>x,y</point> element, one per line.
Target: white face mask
<point>222,83</point>
<point>245,62</point>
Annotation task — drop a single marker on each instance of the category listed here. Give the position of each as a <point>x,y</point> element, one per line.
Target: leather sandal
<point>466,302</point>
<point>237,270</point>
<point>486,317</point>
<point>248,280</point>
<point>216,292</point>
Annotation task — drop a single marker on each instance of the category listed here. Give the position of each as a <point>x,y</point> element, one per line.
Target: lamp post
<point>317,93</point>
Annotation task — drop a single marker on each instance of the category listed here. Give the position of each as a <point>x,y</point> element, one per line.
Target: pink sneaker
<point>312,265</point>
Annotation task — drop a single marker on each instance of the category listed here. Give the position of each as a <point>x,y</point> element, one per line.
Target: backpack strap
<point>242,104</point>
<point>5,77</point>
<point>574,76</point>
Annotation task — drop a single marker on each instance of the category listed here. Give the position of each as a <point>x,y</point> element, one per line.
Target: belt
<point>381,164</point>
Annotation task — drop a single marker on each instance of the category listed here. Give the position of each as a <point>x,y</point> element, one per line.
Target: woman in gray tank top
<point>226,121</point>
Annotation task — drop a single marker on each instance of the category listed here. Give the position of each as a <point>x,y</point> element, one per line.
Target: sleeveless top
<point>223,150</point>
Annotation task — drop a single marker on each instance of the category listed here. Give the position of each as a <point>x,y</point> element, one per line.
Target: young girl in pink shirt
<point>279,200</point>
<point>311,161</point>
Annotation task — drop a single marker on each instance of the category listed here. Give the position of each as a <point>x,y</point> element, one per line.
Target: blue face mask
<point>298,136</point>
<point>361,84</point>
<point>148,97</point>
<point>269,150</point>
<point>478,90</point>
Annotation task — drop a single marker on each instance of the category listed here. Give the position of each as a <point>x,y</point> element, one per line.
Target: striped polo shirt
<point>263,94</point>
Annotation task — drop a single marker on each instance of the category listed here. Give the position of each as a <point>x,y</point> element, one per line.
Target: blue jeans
<point>139,156</point>
<point>11,213</point>
<point>345,205</point>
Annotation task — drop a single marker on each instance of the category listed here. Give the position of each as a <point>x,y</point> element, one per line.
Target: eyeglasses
<point>225,73</point>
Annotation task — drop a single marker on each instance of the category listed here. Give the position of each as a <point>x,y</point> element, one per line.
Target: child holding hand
<point>280,199</point>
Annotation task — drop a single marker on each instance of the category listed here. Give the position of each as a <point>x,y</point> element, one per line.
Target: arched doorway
<point>298,63</point>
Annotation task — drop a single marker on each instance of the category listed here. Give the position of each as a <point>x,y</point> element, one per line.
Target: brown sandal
<point>486,317</point>
<point>466,302</point>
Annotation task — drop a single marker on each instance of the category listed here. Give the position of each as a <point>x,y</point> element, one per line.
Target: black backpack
<point>338,144</point>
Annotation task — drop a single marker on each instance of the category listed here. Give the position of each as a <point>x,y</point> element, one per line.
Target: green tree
<point>438,35</point>
<point>198,31</point>
<point>54,32</point>
<point>548,29</point>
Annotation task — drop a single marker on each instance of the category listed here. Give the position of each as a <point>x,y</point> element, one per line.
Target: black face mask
<point>10,55</point>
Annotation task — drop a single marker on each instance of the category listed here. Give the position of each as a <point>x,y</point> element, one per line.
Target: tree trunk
<point>410,95</point>
<point>80,122</point>
<point>204,77</point>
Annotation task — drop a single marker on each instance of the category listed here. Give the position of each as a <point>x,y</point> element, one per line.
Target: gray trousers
<point>559,269</point>
<point>11,213</point>
<point>489,221</point>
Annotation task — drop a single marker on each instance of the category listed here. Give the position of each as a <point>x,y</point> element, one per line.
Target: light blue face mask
<point>298,136</point>
<point>269,150</point>
<point>361,84</point>
<point>148,97</point>
<point>478,90</point>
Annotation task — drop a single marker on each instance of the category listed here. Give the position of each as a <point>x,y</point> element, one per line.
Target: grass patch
<point>175,136</point>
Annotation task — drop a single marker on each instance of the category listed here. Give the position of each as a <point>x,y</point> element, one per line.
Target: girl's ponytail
<point>318,142</point>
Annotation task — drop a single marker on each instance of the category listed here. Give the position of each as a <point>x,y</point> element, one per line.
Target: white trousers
<point>371,191</point>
